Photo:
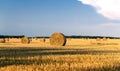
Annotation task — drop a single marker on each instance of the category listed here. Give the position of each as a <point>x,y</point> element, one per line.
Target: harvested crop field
<point>65,58</point>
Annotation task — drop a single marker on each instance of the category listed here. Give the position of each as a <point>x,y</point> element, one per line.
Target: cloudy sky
<point>71,17</point>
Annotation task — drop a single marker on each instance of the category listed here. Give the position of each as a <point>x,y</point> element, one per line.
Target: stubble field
<point>104,56</point>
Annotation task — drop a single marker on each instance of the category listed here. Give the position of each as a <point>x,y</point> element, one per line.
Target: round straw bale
<point>2,40</point>
<point>25,40</point>
<point>57,39</point>
<point>98,39</point>
<point>104,39</point>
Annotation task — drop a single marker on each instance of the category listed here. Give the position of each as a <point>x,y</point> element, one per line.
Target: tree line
<point>73,36</point>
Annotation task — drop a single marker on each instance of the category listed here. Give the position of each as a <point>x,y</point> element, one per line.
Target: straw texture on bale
<point>25,40</point>
<point>57,39</point>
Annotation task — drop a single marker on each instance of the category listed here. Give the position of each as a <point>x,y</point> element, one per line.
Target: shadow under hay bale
<point>57,39</point>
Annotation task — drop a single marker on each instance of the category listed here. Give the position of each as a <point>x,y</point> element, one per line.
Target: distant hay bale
<point>2,40</point>
<point>98,39</point>
<point>104,39</point>
<point>57,39</point>
<point>7,39</point>
<point>25,40</point>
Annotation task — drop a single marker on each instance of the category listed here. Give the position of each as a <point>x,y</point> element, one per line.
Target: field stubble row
<point>80,58</point>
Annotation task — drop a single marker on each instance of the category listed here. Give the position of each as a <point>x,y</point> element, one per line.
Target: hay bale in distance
<point>2,40</point>
<point>104,39</point>
<point>98,39</point>
<point>57,39</point>
<point>25,40</point>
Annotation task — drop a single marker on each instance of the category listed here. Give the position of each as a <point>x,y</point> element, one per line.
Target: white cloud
<point>108,8</point>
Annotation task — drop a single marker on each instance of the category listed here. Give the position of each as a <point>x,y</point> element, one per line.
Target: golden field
<point>77,55</point>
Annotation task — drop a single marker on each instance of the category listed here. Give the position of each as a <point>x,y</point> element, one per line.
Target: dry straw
<point>57,39</point>
<point>25,40</point>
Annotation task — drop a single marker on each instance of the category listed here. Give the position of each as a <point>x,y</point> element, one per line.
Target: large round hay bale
<point>25,40</point>
<point>57,39</point>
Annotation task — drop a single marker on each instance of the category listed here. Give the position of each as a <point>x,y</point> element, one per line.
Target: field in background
<point>77,55</point>
<point>70,42</point>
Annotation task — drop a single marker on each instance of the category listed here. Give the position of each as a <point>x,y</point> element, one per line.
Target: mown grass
<point>87,58</point>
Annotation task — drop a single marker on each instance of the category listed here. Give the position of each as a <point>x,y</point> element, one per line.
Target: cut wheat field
<point>77,55</point>
<point>67,58</point>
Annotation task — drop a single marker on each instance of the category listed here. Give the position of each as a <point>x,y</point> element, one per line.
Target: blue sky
<point>43,17</point>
